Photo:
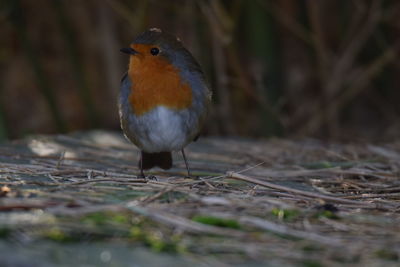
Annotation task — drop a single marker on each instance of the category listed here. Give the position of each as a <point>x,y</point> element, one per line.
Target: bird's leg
<point>186,163</point>
<point>141,175</point>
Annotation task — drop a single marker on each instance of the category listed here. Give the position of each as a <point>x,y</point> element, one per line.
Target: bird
<point>163,100</point>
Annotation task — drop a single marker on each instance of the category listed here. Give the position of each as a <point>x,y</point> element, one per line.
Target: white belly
<point>161,129</point>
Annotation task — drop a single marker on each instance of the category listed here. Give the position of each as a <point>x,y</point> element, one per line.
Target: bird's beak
<point>129,51</point>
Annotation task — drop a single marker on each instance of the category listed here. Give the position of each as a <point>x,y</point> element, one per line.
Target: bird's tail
<point>160,159</point>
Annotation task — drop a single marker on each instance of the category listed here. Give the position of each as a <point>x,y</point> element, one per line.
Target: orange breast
<point>156,82</point>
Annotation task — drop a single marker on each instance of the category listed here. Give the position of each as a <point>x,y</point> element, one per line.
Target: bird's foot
<point>152,177</point>
<point>149,178</point>
<point>191,176</point>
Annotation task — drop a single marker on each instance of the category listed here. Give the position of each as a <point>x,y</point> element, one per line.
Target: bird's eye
<point>154,51</point>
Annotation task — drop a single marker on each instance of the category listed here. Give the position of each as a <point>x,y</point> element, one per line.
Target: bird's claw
<point>152,178</point>
<point>148,178</point>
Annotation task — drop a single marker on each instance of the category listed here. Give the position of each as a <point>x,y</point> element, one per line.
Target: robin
<point>163,99</point>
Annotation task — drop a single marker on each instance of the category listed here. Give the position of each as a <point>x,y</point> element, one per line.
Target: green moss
<point>327,214</point>
<point>157,241</point>
<point>5,232</point>
<point>387,254</point>
<point>120,218</point>
<point>171,196</point>
<point>220,222</point>
<point>311,263</point>
<point>318,165</point>
<point>158,244</point>
<point>135,232</point>
<point>205,174</point>
<point>285,214</point>
<point>98,218</point>
<point>234,182</point>
<point>312,248</point>
<point>331,164</point>
<point>102,218</point>
<point>126,195</point>
<point>56,234</point>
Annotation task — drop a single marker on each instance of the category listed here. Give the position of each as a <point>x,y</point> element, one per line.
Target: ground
<point>75,200</point>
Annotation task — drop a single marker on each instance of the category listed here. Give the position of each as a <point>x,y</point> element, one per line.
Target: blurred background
<point>288,68</point>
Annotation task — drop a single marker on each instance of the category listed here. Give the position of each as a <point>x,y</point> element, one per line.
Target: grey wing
<point>125,88</point>
<point>124,107</point>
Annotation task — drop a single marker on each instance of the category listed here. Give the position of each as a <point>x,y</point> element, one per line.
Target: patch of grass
<point>220,222</point>
<point>312,248</point>
<point>127,195</point>
<point>5,232</point>
<point>156,240</point>
<point>311,263</point>
<point>58,235</point>
<point>344,258</point>
<point>102,218</point>
<point>120,218</point>
<point>328,164</point>
<point>286,214</point>
<point>171,196</point>
<point>98,218</point>
<point>326,214</point>
<point>387,254</point>
<point>205,173</point>
<point>287,237</point>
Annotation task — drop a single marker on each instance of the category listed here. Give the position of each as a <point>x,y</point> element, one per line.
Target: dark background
<point>326,69</point>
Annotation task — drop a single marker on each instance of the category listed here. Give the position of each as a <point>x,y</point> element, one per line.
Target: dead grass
<point>277,201</point>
